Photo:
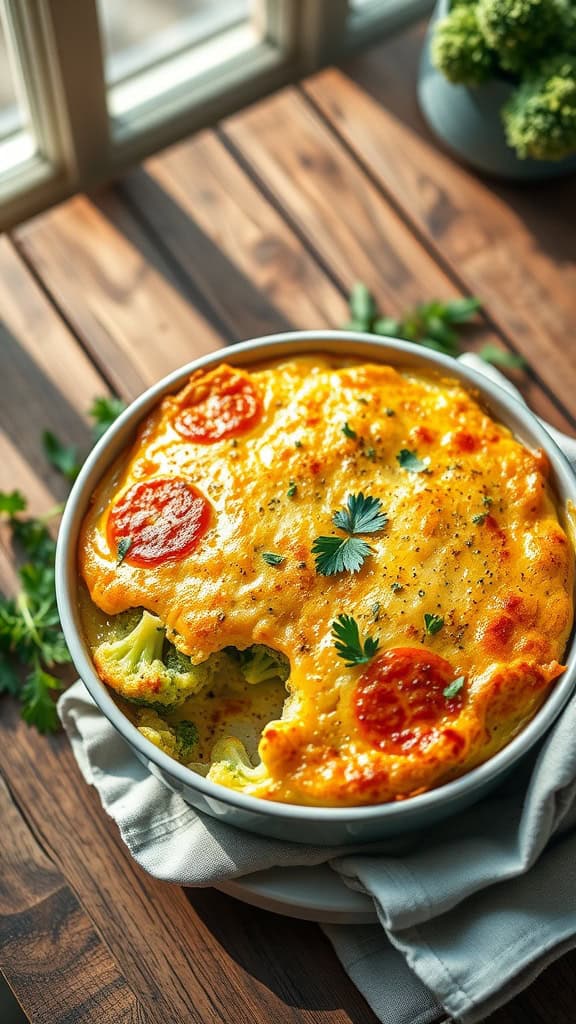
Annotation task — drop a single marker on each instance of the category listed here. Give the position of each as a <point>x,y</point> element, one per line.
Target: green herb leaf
<point>12,502</point>
<point>433,623</point>
<point>396,587</point>
<point>361,514</point>
<point>362,306</point>
<point>38,708</point>
<point>124,545</point>
<point>409,460</point>
<point>104,411</point>
<point>501,357</point>
<point>272,559</point>
<point>460,311</point>
<point>387,327</point>
<point>454,687</point>
<point>487,500</point>
<point>479,519</point>
<point>340,554</point>
<point>349,432</point>
<point>63,457</point>
<point>348,644</point>
<point>292,489</point>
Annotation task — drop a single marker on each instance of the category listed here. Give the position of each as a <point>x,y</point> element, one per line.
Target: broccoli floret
<point>186,735</point>
<point>540,117</point>
<point>231,765</point>
<point>135,668</point>
<point>459,50</point>
<point>177,741</point>
<point>519,30</point>
<point>260,664</point>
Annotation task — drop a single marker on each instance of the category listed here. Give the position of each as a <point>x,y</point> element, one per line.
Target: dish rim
<point>116,438</point>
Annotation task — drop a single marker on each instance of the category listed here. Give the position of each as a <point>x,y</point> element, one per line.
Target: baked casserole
<point>325,582</point>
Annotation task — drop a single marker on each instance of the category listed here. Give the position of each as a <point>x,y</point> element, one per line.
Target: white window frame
<point>78,142</point>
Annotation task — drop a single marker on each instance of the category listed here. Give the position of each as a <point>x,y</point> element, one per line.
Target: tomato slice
<point>157,520</point>
<point>221,404</point>
<point>399,698</point>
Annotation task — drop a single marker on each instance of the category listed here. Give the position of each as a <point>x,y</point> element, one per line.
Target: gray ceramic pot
<point>311,825</point>
<point>467,120</point>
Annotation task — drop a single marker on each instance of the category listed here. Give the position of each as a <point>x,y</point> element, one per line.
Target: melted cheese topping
<point>474,539</point>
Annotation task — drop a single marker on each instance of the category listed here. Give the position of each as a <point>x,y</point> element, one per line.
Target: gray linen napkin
<point>470,912</point>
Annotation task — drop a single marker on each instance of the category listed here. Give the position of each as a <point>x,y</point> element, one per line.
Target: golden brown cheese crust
<point>475,540</point>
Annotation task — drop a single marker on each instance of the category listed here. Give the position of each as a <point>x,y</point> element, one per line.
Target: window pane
<point>12,115</point>
<point>138,34</point>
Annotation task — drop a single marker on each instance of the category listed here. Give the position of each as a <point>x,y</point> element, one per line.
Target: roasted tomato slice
<point>400,698</point>
<point>221,404</point>
<point>157,520</point>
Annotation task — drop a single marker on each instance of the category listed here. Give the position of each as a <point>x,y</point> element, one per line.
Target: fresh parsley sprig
<point>348,644</point>
<point>361,514</point>
<point>436,325</point>
<point>32,644</point>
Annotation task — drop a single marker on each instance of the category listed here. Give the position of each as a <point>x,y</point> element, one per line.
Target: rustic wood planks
<point>259,226</point>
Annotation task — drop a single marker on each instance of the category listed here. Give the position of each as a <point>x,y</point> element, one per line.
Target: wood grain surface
<point>258,226</point>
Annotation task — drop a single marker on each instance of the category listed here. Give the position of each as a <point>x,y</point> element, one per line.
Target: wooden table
<point>261,224</point>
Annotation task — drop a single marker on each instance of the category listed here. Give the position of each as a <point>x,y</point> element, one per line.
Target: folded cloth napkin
<point>469,912</point>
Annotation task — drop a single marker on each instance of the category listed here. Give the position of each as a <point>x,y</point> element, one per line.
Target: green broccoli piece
<point>134,666</point>
<point>519,30</point>
<point>231,765</point>
<point>459,50</point>
<point>260,664</point>
<point>540,117</point>
<point>186,735</point>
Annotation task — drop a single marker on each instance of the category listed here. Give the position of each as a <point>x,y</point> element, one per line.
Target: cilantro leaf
<point>340,554</point>
<point>501,357</point>
<point>409,460</point>
<point>292,489</point>
<point>460,311</point>
<point>124,545</point>
<point>453,688</point>
<point>362,306</point>
<point>104,411</point>
<point>12,502</point>
<point>349,432</point>
<point>347,642</point>
<point>362,514</point>
<point>433,623</point>
<point>271,558</point>
<point>63,457</point>
<point>479,519</point>
<point>38,708</point>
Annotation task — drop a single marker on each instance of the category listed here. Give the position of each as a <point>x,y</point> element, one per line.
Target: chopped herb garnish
<point>297,444</point>
<point>454,687</point>
<point>124,545</point>
<point>370,453</point>
<point>348,644</point>
<point>292,488</point>
<point>433,623</point>
<point>479,519</point>
<point>271,558</point>
<point>349,432</point>
<point>396,587</point>
<point>487,500</point>
<point>409,460</point>
<point>361,514</point>
<point>340,554</point>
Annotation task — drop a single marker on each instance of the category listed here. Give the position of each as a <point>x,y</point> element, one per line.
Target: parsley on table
<point>501,357</point>
<point>63,457</point>
<point>104,411</point>
<point>32,644</point>
<point>433,623</point>
<point>361,514</point>
<point>409,460</point>
<point>271,558</point>
<point>453,688</point>
<point>347,642</point>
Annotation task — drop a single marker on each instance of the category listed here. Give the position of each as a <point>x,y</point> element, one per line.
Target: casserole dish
<point>321,824</point>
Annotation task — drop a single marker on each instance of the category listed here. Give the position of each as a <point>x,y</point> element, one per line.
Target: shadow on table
<point>291,958</point>
<point>10,1011</point>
